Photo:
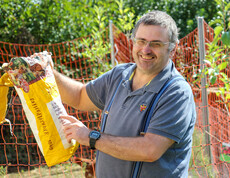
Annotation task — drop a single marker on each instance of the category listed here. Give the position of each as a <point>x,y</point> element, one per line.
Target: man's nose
<point>146,49</point>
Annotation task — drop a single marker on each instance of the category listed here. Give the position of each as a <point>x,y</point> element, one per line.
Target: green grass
<point>59,171</point>
<point>200,162</point>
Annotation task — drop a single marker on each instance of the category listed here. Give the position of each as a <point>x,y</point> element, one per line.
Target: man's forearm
<point>73,93</point>
<point>70,90</point>
<point>148,148</point>
<point>123,148</point>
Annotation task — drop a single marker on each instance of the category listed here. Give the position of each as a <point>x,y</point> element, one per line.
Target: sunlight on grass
<point>61,170</point>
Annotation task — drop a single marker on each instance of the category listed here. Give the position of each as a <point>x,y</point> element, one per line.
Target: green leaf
<point>227,7</point>
<point>222,90</point>
<point>218,2</point>
<point>217,94</point>
<point>220,13</point>
<point>227,96</point>
<point>215,40</point>
<point>223,65</point>
<point>216,21</point>
<point>226,86</point>
<point>218,30</point>
<point>213,79</point>
<point>225,38</point>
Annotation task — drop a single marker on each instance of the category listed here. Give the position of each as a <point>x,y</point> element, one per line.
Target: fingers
<point>69,126</point>
<point>51,63</point>
<point>75,129</point>
<point>69,135</point>
<point>67,119</point>
<point>69,131</point>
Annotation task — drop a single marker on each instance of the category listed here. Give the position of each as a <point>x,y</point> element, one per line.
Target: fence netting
<point>19,152</point>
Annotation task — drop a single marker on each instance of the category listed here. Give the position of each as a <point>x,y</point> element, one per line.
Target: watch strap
<point>92,143</point>
<point>93,137</point>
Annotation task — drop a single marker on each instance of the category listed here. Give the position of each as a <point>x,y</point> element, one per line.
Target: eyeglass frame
<point>150,42</point>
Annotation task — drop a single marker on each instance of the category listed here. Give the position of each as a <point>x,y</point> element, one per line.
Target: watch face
<point>94,134</point>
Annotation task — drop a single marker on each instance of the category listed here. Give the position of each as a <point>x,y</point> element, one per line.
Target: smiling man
<point>125,95</point>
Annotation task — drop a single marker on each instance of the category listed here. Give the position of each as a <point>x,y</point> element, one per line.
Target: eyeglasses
<point>152,44</point>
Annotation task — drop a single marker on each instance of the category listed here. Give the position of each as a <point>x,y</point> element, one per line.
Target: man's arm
<point>148,148</point>
<point>73,93</point>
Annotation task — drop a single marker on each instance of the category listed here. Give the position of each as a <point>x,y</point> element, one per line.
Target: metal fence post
<point>111,42</point>
<point>204,94</point>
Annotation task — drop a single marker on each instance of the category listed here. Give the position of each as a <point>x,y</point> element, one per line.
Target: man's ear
<point>172,50</point>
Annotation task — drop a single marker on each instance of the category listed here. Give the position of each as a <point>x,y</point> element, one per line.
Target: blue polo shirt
<point>174,118</point>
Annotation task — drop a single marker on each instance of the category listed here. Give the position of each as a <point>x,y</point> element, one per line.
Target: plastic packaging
<point>35,84</point>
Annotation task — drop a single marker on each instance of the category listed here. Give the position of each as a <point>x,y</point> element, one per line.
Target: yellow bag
<point>5,83</point>
<point>36,86</point>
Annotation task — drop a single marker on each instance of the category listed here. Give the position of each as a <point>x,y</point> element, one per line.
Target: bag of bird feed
<point>35,84</point>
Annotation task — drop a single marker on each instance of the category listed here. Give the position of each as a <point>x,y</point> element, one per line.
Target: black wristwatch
<point>93,137</point>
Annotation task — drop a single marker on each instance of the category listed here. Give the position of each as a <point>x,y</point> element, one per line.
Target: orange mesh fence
<point>123,46</point>
<point>20,151</point>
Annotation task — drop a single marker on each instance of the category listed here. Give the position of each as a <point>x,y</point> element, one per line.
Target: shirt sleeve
<point>174,112</point>
<point>97,90</point>
<point>101,89</point>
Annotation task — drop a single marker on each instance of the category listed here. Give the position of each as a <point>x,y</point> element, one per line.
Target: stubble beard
<point>151,67</point>
<point>146,67</point>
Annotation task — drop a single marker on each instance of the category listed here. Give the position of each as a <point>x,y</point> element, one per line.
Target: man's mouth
<point>147,57</point>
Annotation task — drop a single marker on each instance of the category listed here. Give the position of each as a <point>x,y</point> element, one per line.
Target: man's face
<point>151,59</point>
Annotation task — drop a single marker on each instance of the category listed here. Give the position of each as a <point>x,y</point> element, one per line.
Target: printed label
<point>57,109</point>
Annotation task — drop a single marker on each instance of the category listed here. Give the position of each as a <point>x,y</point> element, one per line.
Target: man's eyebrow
<point>149,41</point>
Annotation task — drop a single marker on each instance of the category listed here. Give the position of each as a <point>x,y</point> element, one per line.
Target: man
<point>165,148</point>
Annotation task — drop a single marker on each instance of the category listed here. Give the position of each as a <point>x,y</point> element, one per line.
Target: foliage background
<point>53,21</point>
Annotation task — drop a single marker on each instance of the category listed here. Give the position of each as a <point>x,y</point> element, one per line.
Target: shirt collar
<point>126,75</point>
<point>156,84</point>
